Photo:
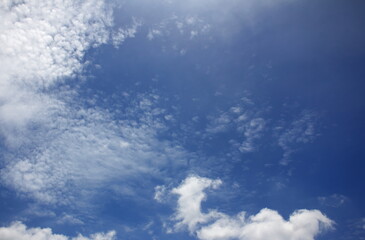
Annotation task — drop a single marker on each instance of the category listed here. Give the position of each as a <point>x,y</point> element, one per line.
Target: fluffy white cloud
<point>189,203</point>
<point>267,224</point>
<point>18,231</point>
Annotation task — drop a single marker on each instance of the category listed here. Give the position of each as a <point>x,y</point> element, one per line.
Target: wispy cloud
<point>219,124</point>
<point>119,36</point>
<point>160,192</point>
<point>86,148</point>
<point>252,130</point>
<point>246,119</point>
<point>356,229</point>
<point>300,131</point>
<point>334,200</point>
<point>69,219</point>
<point>187,26</point>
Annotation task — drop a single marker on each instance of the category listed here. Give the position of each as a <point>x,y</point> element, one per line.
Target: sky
<point>168,119</point>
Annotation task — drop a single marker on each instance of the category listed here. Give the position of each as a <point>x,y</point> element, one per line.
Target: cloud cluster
<point>54,146</point>
<point>18,231</point>
<point>267,224</point>
<point>42,41</point>
<point>41,44</point>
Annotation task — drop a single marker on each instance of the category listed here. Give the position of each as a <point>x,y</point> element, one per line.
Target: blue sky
<point>168,119</point>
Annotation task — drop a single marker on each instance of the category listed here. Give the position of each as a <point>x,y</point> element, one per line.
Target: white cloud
<point>18,231</point>
<point>56,149</point>
<point>267,224</point>
<point>42,41</point>
<point>41,44</point>
<point>190,197</point>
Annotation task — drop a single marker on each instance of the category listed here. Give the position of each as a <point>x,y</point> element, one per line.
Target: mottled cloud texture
<point>55,146</point>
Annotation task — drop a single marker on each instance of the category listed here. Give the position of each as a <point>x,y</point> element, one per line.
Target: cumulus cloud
<point>19,231</point>
<point>267,224</point>
<point>189,204</point>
